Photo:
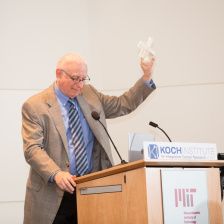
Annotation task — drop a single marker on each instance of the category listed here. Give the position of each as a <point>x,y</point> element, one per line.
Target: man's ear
<point>58,73</point>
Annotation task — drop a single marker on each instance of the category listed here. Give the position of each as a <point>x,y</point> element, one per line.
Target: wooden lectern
<point>125,194</point>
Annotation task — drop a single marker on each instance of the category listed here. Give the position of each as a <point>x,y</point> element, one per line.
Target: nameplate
<point>179,150</point>
<point>101,189</point>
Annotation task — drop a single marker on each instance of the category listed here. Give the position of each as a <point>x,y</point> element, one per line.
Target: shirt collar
<point>62,97</point>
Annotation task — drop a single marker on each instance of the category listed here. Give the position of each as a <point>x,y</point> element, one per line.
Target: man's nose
<point>81,84</point>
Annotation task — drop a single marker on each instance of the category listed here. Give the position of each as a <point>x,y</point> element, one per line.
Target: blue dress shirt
<point>87,132</point>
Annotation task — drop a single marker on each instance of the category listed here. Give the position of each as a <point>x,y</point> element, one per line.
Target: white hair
<point>68,58</point>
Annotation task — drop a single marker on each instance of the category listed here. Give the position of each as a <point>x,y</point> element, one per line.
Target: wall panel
<point>14,169</point>
<point>187,40</point>
<point>34,35</point>
<point>12,213</point>
<point>187,114</point>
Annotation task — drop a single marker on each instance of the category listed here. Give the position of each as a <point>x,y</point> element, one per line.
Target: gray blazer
<point>46,148</point>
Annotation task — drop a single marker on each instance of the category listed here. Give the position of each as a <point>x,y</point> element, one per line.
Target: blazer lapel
<point>95,126</point>
<point>55,112</point>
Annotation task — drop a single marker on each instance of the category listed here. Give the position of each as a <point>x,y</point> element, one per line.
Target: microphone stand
<point>157,126</point>
<point>122,160</point>
<point>164,133</point>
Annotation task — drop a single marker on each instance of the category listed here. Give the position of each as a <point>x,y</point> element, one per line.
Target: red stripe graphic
<point>180,199</point>
<point>192,203</point>
<point>184,201</point>
<point>176,202</point>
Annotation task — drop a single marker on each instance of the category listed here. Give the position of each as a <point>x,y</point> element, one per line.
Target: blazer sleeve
<point>33,142</point>
<point>126,103</point>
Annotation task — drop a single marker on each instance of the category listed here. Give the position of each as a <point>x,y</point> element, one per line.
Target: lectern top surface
<point>151,163</point>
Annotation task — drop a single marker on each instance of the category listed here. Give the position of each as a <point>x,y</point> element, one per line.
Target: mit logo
<point>186,196</point>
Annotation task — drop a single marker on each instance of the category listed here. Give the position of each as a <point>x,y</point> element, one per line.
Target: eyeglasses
<point>76,79</point>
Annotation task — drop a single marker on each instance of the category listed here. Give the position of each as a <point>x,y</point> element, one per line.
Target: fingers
<point>147,68</point>
<point>65,181</point>
<point>148,63</point>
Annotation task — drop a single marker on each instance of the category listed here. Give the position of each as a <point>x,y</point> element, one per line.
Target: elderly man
<point>62,140</point>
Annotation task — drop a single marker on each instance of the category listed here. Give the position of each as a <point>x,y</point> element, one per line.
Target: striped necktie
<point>78,140</point>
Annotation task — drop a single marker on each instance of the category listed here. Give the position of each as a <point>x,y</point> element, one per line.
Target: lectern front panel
<point>105,201</point>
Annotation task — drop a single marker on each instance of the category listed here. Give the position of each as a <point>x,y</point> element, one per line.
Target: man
<point>49,139</point>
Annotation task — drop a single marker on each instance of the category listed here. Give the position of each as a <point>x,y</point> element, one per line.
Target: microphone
<point>96,117</point>
<point>157,126</point>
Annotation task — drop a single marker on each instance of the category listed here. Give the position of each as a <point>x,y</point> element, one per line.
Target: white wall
<point>188,102</point>
<point>34,35</point>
